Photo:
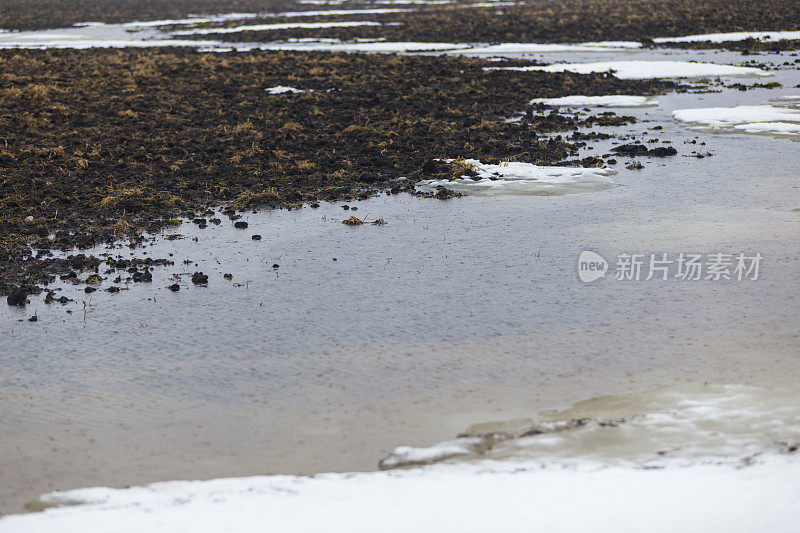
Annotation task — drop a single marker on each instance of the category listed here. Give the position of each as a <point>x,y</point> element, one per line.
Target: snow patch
<point>369,47</point>
<point>531,48</point>
<point>409,455</point>
<point>612,100</point>
<point>732,36</point>
<point>486,496</point>
<point>280,89</point>
<point>638,70</point>
<point>748,119</point>
<point>775,128</point>
<point>269,27</point>
<point>526,178</point>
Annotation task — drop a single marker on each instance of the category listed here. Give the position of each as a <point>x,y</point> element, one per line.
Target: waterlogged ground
<point>452,314</point>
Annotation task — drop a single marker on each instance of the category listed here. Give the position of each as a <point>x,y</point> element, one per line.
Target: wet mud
<point>104,145</point>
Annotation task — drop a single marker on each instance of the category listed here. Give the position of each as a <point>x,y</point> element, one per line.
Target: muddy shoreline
<point>95,151</point>
<point>102,145</point>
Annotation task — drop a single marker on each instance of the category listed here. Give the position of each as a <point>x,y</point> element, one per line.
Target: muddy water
<point>451,314</point>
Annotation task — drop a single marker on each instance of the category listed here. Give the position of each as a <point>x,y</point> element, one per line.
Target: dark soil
<point>551,21</point>
<point>104,144</point>
<point>40,14</point>
<point>634,150</point>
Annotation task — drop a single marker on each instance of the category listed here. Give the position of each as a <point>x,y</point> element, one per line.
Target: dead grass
<point>353,221</point>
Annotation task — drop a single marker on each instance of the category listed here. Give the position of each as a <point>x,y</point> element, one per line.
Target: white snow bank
<point>612,100</point>
<point>270,27</point>
<point>716,117</point>
<point>485,496</point>
<point>646,69</point>
<point>414,2</point>
<point>200,19</point>
<point>280,89</point>
<point>733,36</point>
<point>531,48</point>
<point>378,11</point>
<point>775,128</point>
<point>371,47</point>
<point>526,178</point>
<point>174,22</point>
<point>241,16</point>
<point>82,44</point>
<point>749,119</point>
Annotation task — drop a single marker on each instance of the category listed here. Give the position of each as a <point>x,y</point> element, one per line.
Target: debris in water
<point>352,221</point>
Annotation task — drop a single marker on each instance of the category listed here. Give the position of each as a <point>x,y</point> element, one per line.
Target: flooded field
<point>331,345</point>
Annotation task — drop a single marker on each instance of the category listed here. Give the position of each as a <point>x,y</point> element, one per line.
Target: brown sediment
<point>101,144</point>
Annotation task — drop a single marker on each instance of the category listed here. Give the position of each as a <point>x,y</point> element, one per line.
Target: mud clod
<point>445,194</point>
<point>198,278</point>
<point>18,298</point>
<point>142,277</point>
<point>662,151</point>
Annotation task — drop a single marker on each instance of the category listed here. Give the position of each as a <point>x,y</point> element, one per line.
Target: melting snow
<point>526,178</point>
<point>486,496</point>
<point>268,27</point>
<point>646,69</point>
<point>409,455</point>
<point>374,47</point>
<point>733,36</point>
<point>612,100</point>
<point>749,119</point>
<point>279,89</point>
<point>530,48</point>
